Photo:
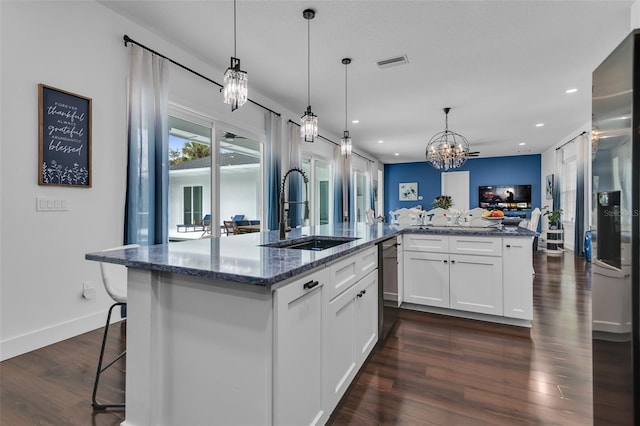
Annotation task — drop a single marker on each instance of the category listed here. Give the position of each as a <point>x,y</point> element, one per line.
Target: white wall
<point>78,47</point>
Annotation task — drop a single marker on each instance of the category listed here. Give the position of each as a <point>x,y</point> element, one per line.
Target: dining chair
<point>114,278</point>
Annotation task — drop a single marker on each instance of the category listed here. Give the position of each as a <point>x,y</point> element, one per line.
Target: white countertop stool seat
<point>114,278</point>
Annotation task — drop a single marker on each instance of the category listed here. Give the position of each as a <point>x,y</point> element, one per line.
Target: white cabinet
<point>426,277</point>
<point>366,316</point>
<point>479,274</point>
<point>325,326</point>
<point>475,284</point>
<point>517,276</point>
<point>345,272</point>
<point>351,332</point>
<point>297,397</point>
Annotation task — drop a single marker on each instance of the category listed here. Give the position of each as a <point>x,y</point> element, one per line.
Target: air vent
<point>392,62</point>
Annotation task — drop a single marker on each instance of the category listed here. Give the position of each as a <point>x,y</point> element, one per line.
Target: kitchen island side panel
<point>197,351</point>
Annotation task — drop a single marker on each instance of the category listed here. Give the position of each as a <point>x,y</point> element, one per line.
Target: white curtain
<point>273,158</point>
<point>146,212</point>
<point>372,173</point>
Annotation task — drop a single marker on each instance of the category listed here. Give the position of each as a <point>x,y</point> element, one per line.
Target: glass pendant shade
<point>309,126</point>
<point>447,150</point>
<point>235,85</point>
<point>345,144</point>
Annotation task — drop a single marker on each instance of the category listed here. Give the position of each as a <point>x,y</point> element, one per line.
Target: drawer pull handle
<point>310,285</point>
<point>453,261</point>
<point>445,261</point>
<point>508,245</point>
<point>361,293</point>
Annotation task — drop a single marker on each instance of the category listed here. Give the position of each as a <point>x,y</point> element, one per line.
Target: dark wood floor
<point>432,369</point>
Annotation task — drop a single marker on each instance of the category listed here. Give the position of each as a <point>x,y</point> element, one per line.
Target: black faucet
<point>283,212</point>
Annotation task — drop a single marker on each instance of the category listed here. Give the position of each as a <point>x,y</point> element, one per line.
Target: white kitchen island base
<point>202,351</point>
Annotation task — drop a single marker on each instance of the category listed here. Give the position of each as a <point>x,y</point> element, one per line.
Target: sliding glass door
<point>240,175</point>
<point>318,171</point>
<point>189,179</point>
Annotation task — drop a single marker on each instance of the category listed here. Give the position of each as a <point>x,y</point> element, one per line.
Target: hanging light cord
<point>308,62</point>
<point>234,29</point>
<point>346,90</point>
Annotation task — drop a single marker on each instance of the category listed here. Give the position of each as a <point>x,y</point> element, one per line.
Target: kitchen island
<point>229,331</point>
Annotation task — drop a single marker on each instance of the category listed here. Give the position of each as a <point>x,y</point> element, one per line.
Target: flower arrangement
<point>443,201</point>
<point>552,215</point>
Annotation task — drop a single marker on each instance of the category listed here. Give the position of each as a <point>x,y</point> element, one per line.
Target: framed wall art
<point>408,191</point>
<point>549,187</point>
<point>64,138</point>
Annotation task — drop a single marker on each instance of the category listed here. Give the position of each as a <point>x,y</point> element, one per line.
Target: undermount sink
<point>315,243</point>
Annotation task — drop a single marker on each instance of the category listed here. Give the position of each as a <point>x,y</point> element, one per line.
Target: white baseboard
<point>37,339</point>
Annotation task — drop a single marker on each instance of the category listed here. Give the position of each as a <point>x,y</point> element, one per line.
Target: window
<point>320,189</point>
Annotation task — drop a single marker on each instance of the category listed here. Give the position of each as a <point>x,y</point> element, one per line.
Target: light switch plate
<point>45,204</point>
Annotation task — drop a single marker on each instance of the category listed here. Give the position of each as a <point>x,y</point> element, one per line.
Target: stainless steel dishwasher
<point>387,287</point>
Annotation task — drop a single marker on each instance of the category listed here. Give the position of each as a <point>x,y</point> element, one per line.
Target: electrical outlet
<point>88,291</point>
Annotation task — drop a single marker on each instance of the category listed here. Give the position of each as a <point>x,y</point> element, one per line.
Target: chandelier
<point>235,80</point>
<point>345,142</point>
<point>309,121</point>
<point>447,150</point>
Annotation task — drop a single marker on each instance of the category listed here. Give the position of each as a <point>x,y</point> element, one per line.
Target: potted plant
<point>443,201</point>
<point>553,216</point>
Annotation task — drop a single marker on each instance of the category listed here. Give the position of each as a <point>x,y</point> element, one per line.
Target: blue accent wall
<point>517,170</point>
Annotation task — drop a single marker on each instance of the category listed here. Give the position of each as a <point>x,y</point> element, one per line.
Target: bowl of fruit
<point>493,215</point>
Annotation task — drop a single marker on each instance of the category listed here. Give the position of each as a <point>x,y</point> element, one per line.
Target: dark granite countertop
<point>243,259</point>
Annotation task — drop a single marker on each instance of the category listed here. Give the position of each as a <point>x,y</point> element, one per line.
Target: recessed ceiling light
<point>522,143</point>
<point>380,141</point>
<point>396,154</point>
<point>539,124</point>
<point>355,121</point>
<point>571,91</point>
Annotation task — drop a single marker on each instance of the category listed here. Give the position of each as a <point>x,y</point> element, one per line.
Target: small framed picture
<point>549,187</point>
<point>408,191</point>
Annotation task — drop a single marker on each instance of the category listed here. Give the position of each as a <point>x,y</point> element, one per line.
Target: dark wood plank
<point>440,370</point>
<point>433,370</point>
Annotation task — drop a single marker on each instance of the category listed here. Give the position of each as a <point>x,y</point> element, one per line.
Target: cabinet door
<point>366,317</point>
<point>426,278</point>
<point>339,345</point>
<point>298,398</point>
<point>517,281</point>
<point>476,284</point>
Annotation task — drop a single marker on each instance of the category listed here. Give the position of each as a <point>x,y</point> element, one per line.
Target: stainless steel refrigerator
<point>616,233</point>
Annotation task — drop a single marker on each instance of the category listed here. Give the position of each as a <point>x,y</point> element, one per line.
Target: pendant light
<point>309,121</point>
<point>447,150</point>
<point>235,80</point>
<point>345,142</point>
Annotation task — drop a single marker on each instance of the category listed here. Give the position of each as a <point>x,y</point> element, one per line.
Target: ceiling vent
<point>392,62</point>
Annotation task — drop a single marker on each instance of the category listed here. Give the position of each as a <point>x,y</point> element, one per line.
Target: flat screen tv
<point>505,197</point>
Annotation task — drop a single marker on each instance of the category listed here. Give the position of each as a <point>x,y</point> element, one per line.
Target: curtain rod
<point>571,140</point>
<point>128,39</point>
<point>336,144</point>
